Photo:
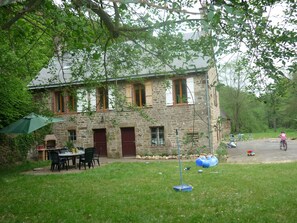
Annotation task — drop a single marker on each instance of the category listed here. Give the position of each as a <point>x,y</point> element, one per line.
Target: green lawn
<point>143,192</point>
<point>291,134</point>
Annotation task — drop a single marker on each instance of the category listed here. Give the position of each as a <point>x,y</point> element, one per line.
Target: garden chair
<point>87,158</point>
<point>96,156</point>
<point>65,150</point>
<point>56,161</point>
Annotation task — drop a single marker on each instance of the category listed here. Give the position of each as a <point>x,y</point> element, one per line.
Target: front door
<point>128,142</point>
<point>100,141</point>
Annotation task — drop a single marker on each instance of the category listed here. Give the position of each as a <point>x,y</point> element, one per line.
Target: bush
<point>15,149</point>
<point>222,152</point>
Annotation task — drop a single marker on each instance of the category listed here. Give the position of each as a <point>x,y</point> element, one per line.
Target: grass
<point>291,134</point>
<point>143,192</point>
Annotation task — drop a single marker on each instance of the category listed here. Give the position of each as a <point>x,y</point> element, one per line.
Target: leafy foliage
<point>247,114</point>
<point>15,100</point>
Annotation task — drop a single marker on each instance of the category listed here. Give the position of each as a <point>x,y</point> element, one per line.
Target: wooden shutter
<point>92,99</point>
<point>129,93</point>
<point>110,99</point>
<point>80,100</point>
<point>148,94</point>
<point>190,90</point>
<point>169,95</point>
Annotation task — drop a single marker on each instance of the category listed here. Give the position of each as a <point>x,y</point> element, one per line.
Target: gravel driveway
<point>266,151</point>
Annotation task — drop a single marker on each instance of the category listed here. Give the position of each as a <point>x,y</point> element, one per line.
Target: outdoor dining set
<point>62,158</point>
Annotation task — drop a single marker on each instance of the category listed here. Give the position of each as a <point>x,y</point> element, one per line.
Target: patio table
<point>72,155</point>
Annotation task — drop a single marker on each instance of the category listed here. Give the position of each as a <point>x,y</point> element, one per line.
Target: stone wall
<point>191,121</point>
<point>214,108</point>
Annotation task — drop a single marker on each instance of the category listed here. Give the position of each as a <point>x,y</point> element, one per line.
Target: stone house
<point>139,115</point>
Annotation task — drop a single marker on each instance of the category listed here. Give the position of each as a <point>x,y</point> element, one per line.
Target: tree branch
<point>96,8</point>
<point>30,7</point>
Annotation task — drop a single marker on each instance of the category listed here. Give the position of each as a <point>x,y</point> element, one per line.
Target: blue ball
<point>199,162</point>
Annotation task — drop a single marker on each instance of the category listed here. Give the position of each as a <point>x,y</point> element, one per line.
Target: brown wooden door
<point>128,142</point>
<point>100,141</point>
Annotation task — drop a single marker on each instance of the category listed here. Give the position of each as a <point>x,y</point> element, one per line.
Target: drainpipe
<point>208,115</point>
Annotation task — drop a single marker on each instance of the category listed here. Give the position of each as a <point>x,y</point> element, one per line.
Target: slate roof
<point>62,72</point>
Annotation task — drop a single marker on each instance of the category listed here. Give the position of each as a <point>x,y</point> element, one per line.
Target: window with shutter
<point>180,91</point>
<point>86,100</point>
<point>139,94</point>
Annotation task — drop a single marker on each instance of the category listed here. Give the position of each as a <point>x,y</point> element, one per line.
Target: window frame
<point>102,99</point>
<point>71,102</point>
<point>182,89</point>
<point>59,102</point>
<point>159,131</point>
<point>139,95</point>
<point>72,137</point>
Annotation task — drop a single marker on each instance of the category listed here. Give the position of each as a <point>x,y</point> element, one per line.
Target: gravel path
<point>266,151</point>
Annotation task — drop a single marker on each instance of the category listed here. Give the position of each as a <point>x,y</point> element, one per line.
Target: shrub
<point>222,152</point>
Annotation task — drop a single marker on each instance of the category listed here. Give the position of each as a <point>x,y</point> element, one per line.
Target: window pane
<point>72,105</point>
<point>154,136</point>
<point>180,90</point>
<point>71,135</point>
<point>59,102</point>
<point>184,91</point>
<point>157,136</point>
<point>161,136</point>
<point>177,91</point>
<point>139,95</point>
<point>103,99</point>
<point>143,96</point>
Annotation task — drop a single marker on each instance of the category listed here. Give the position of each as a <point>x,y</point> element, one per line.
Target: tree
<point>15,100</point>
<point>247,114</point>
<point>289,114</point>
<point>39,27</point>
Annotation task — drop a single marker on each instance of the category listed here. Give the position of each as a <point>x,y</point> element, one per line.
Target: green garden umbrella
<point>29,124</point>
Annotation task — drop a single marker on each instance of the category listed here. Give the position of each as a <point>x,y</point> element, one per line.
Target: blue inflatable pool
<point>207,161</point>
